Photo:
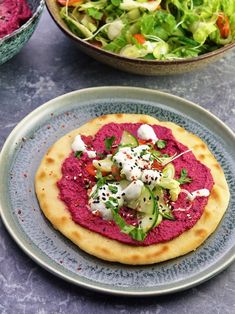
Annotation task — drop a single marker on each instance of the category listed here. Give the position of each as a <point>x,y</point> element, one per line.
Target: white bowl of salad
<point>149,37</point>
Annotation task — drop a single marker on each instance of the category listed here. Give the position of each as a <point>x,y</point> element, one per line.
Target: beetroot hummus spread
<point>12,15</point>
<point>75,181</point>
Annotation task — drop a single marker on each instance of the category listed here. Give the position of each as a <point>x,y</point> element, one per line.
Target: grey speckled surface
<point>49,66</point>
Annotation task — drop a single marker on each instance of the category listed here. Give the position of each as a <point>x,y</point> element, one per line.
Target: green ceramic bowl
<point>138,66</point>
<point>11,44</point>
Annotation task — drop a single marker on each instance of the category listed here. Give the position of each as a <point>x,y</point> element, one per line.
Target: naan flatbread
<point>49,172</point>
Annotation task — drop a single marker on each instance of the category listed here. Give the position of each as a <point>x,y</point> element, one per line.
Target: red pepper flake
<point>52,114</point>
<point>25,175</point>
<point>79,268</point>
<point>61,262</point>
<point>19,211</point>
<point>48,127</point>
<point>62,126</point>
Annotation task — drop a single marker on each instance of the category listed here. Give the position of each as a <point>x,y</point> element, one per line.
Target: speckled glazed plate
<point>21,214</point>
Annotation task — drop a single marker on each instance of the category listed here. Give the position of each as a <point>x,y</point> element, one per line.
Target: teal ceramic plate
<point>21,214</point>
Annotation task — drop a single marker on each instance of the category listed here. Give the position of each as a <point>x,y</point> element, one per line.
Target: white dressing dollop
<point>79,145</point>
<point>132,161</point>
<point>146,132</point>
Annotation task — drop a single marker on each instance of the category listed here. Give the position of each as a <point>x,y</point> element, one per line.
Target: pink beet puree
<point>73,191</point>
<point>13,13</point>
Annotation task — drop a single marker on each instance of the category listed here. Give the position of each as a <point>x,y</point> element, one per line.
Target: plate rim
<point>96,286</point>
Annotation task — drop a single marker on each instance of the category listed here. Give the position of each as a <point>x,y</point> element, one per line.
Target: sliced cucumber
<point>130,51</point>
<point>128,139</point>
<point>124,184</point>
<point>158,221</point>
<point>103,164</point>
<point>134,204</point>
<point>169,171</point>
<point>134,14</point>
<point>167,183</point>
<point>166,212</point>
<point>148,221</point>
<point>147,203</point>
<point>174,193</point>
<point>158,193</point>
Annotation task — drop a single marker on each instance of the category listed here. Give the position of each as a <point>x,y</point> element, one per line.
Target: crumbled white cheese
<point>133,190</point>
<point>151,177</point>
<point>132,161</point>
<point>97,203</point>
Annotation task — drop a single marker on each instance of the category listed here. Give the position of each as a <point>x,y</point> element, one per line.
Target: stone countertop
<point>48,66</point>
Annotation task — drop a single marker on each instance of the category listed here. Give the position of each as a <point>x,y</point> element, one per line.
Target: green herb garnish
<point>109,142</point>
<point>101,181</point>
<point>101,155</point>
<point>136,233</point>
<point>161,144</point>
<point>78,154</point>
<point>113,189</point>
<point>144,152</point>
<point>93,12</point>
<point>184,177</point>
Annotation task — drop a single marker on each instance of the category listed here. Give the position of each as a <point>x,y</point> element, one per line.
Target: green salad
<point>157,30</point>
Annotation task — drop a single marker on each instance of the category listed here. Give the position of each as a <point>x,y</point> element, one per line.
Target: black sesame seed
<point>150,218</point>
<point>99,164</point>
<point>144,199</point>
<point>103,194</point>
<point>104,198</point>
<point>123,194</point>
<point>118,197</point>
<point>150,197</point>
<point>120,164</point>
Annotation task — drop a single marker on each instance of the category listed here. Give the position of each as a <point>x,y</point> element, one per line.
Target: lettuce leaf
<point>159,23</point>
